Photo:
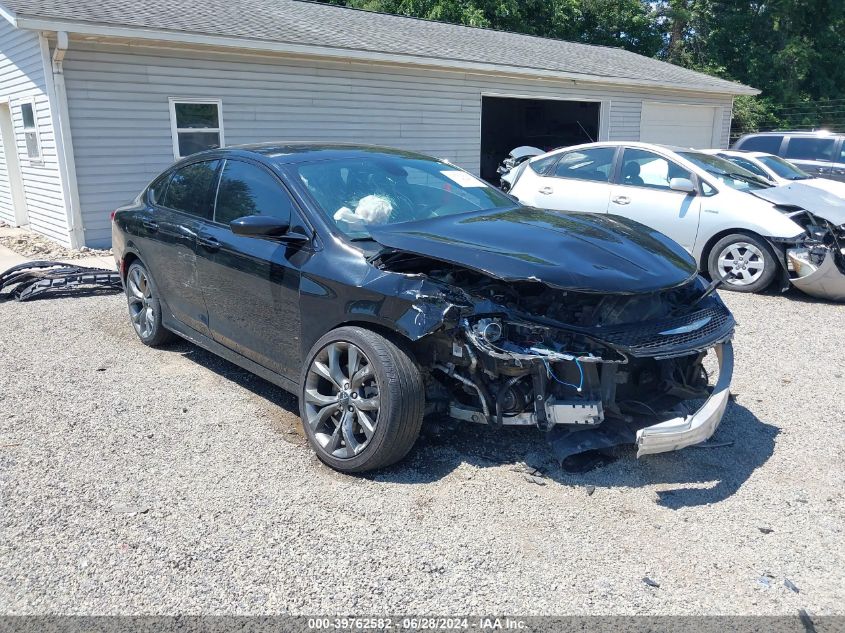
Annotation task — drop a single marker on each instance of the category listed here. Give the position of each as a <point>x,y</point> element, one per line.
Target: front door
<point>251,284</point>
<point>642,193</point>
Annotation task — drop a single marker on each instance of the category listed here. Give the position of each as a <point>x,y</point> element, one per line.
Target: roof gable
<point>315,25</point>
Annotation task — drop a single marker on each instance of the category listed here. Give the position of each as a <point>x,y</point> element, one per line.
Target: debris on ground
<point>37,246</point>
<point>712,445</point>
<point>535,480</point>
<point>590,490</point>
<point>790,585</point>
<point>31,279</point>
<point>765,530</point>
<point>765,581</point>
<point>650,582</point>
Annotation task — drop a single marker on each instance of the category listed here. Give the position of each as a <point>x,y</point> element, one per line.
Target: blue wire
<point>566,384</point>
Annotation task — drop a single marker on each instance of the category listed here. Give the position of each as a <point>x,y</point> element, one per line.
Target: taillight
<point>111,217</point>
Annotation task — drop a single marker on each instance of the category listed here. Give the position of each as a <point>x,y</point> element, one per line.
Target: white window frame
<point>175,130</point>
<point>32,159</point>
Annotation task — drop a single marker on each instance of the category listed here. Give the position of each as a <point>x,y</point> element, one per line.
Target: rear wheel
<point>361,400</point>
<point>744,262</point>
<point>145,307</point>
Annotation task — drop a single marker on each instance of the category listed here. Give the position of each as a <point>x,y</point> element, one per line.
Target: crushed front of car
<point>594,354</point>
<point>816,258</point>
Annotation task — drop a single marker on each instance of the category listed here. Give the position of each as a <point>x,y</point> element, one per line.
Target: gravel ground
<point>37,247</point>
<point>141,481</point>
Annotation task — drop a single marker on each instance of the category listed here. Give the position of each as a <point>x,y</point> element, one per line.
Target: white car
<point>777,170</point>
<point>701,201</point>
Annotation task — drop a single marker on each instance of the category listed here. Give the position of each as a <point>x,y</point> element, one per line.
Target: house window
<point>30,130</point>
<point>196,125</point>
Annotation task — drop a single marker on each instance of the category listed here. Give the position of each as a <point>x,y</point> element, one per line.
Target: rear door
<point>642,193</point>
<point>169,239</point>
<point>580,181</point>
<point>813,154</point>
<point>251,284</point>
<point>837,170</point>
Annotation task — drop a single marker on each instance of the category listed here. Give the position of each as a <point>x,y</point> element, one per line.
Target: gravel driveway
<point>160,481</point>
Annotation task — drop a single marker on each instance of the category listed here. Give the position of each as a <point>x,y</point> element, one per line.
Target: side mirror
<point>265,226</point>
<point>682,184</point>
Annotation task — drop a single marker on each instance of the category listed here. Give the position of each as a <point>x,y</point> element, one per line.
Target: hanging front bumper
<point>678,433</point>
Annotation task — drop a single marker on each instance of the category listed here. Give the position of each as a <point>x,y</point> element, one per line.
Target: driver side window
<point>247,189</point>
<point>641,168</point>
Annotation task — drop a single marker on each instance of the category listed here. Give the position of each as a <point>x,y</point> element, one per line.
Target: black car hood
<point>582,252</point>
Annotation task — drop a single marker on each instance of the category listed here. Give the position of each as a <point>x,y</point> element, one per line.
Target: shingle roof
<point>314,24</point>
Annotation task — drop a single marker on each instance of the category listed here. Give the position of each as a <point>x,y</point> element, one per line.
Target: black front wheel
<point>361,400</point>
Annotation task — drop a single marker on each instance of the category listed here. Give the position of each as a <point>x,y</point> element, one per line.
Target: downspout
<point>61,129</point>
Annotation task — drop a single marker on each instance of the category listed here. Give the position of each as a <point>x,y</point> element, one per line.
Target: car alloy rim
<point>140,295</point>
<point>741,263</point>
<point>341,400</point>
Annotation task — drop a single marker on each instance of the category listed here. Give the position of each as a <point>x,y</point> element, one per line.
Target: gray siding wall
<point>22,77</point>
<point>7,211</point>
<point>120,120</point>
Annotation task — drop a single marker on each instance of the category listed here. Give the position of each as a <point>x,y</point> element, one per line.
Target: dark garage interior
<point>508,122</point>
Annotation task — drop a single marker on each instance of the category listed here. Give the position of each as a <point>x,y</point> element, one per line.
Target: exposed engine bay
<point>591,369</point>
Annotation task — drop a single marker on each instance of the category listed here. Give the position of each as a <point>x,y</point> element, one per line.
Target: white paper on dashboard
<point>463,179</point>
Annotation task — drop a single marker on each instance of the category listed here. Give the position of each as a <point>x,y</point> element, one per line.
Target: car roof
<point>290,153</point>
<point>813,133</point>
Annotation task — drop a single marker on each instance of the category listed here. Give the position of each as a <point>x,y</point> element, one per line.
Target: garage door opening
<point>507,123</point>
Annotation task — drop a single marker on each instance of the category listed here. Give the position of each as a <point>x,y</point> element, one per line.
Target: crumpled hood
<point>571,251</point>
<point>816,200</point>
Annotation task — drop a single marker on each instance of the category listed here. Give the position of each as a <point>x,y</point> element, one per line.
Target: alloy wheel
<point>139,292</point>
<point>741,263</point>
<point>341,399</point>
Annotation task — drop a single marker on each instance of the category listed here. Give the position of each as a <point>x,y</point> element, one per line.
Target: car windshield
<point>726,172</point>
<point>359,192</point>
<point>783,168</point>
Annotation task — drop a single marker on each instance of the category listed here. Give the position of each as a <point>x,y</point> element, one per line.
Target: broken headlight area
<point>592,370</point>
<point>817,264</point>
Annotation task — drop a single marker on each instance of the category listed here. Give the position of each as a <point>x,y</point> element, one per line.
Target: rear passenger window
<point>810,148</point>
<point>543,165</point>
<point>247,189</point>
<point>770,144</point>
<point>589,164</point>
<point>157,189</point>
<point>190,188</point>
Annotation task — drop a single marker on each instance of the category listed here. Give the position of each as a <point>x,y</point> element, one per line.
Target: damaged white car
<point>740,229</point>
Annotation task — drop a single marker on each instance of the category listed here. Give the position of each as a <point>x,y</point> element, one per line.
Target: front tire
<point>145,307</point>
<point>361,400</point>
<point>744,262</point>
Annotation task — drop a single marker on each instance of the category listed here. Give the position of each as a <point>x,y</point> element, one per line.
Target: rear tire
<point>361,400</point>
<point>748,257</point>
<point>145,307</point>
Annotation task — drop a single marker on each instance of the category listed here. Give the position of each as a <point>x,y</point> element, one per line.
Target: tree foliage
<point>792,50</point>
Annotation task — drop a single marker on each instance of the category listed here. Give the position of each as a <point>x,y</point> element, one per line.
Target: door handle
<point>622,200</point>
<point>546,191</point>
<point>208,243</point>
<point>150,225</point>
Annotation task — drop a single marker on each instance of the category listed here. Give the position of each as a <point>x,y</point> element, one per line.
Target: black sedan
<point>381,286</point>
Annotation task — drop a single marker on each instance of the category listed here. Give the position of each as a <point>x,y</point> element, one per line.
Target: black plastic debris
<point>790,585</point>
<point>34,279</point>
<point>650,582</point>
<point>765,530</point>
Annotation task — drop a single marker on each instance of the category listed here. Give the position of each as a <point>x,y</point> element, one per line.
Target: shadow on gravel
<point>692,477</point>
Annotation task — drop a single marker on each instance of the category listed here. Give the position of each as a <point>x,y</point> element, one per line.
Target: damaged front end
<point>593,370</point>
<point>818,263</point>
<point>816,259</point>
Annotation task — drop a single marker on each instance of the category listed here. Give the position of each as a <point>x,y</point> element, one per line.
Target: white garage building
<point>98,97</point>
